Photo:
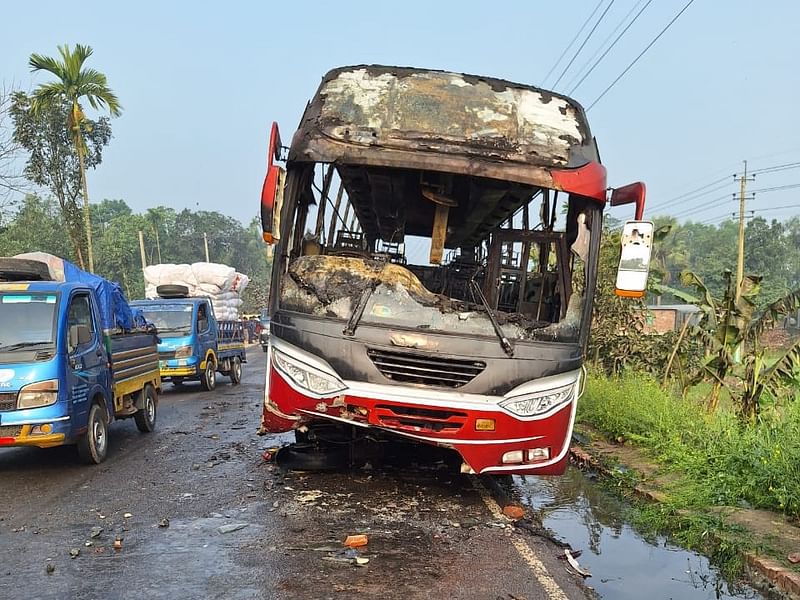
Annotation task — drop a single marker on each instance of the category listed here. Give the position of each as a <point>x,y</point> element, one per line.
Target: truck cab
<point>194,344</point>
<point>63,379</point>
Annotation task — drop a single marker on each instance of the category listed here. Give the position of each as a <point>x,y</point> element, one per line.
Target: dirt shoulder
<point>774,537</point>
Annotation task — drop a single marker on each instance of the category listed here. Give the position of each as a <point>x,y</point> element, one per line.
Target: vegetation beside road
<point>708,463</point>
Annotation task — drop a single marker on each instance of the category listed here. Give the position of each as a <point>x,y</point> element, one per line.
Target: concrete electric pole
<point>740,258</point>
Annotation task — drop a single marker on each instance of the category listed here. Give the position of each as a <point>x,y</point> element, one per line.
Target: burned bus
<point>436,239</point>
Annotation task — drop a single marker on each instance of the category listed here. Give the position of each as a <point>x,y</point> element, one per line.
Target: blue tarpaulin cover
<point>115,312</point>
<point>114,309</point>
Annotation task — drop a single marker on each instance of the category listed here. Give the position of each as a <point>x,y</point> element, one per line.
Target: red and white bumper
<point>527,430</point>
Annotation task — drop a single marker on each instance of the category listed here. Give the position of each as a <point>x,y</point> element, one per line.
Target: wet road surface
<point>240,528</point>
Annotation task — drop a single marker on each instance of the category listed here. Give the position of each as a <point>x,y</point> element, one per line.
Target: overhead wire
<point>695,194</point>
<point>575,39</point>
<point>776,188</point>
<point>704,206</point>
<point>641,54</point>
<point>599,49</point>
<point>777,168</point>
<point>588,37</point>
<point>614,43</point>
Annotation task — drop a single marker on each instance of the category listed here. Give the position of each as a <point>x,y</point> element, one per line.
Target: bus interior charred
<point>427,201</point>
<point>427,250</point>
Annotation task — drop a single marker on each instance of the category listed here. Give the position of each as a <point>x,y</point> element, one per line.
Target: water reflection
<point>623,564</point>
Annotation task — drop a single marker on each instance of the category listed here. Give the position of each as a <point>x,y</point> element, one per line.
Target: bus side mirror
<point>633,193</point>
<point>634,261</point>
<point>272,190</point>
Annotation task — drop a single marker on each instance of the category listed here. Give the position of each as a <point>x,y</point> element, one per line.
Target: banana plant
<point>730,327</point>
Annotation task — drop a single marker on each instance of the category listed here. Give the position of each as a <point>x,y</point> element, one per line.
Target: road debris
<point>308,496</point>
<point>513,512</point>
<point>118,543</point>
<point>74,552</point>
<point>127,515</point>
<point>356,541</point>
<point>231,527</point>
<point>269,454</point>
<point>794,558</point>
<point>95,532</point>
<point>49,568</point>
<point>574,564</point>
<point>163,523</point>
<point>348,556</point>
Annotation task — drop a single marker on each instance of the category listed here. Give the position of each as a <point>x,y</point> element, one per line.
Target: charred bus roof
<point>404,140</point>
<point>451,122</point>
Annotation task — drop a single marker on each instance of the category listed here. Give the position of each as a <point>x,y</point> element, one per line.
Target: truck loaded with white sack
<point>195,309</point>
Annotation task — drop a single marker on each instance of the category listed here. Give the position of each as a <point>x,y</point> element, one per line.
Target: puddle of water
<point>623,564</point>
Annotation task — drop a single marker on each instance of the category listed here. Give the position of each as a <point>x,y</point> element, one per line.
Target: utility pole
<point>740,258</point>
<point>205,242</point>
<point>141,249</point>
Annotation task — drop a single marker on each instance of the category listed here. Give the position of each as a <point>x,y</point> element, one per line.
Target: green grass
<point>720,461</point>
<point>713,460</point>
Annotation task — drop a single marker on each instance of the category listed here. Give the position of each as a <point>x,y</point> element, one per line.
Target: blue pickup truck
<point>71,360</point>
<point>194,344</point>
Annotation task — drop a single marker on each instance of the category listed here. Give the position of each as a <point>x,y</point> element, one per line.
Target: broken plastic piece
<point>356,541</point>
<point>513,512</point>
<point>574,564</point>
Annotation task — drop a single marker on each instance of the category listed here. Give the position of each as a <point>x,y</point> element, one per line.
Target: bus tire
<point>145,417</point>
<point>209,377</point>
<point>236,370</point>
<point>93,445</point>
<point>309,457</point>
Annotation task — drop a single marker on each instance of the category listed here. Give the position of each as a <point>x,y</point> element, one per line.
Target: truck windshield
<point>170,320</point>
<point>27,325</point>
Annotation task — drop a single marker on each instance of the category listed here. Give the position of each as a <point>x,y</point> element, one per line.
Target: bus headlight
<point>183,352</point>
<point>36,395</point>
<point>539,402</point>
<point>307,377</point>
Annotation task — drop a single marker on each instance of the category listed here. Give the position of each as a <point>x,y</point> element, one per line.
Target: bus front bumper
<point>489,437</point>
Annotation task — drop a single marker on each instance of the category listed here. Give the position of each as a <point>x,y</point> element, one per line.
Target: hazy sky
<point>200,82</point>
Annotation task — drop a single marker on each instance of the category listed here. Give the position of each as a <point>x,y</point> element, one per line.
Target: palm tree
<point>73,84</point>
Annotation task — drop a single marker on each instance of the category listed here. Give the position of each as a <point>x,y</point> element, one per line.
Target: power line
<point>599,49</point>
<point>614,43</point>
<point>641,54</point>
<point>777,208</point>
<point>777,188</point>
<point>588,37</point>
<point>692,192</point>
<point>694,195</point>
<point>703,207</point>
<point>575,39</point>
<point>776,168</point>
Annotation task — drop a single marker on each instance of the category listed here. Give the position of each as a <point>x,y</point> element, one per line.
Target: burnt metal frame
<point>494,266</point>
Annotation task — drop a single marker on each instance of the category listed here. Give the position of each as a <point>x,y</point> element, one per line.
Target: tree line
<point>772,251</point>
<point>170,236</point>
<point>47,144</point>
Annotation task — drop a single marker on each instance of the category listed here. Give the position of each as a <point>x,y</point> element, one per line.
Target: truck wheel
<point>93,445</point>
<point>145,417</point>
<point>236,370</point>
<point>209,378</point>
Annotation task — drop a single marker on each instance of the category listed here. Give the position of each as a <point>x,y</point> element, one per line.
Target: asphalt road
<point>432,533</point>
